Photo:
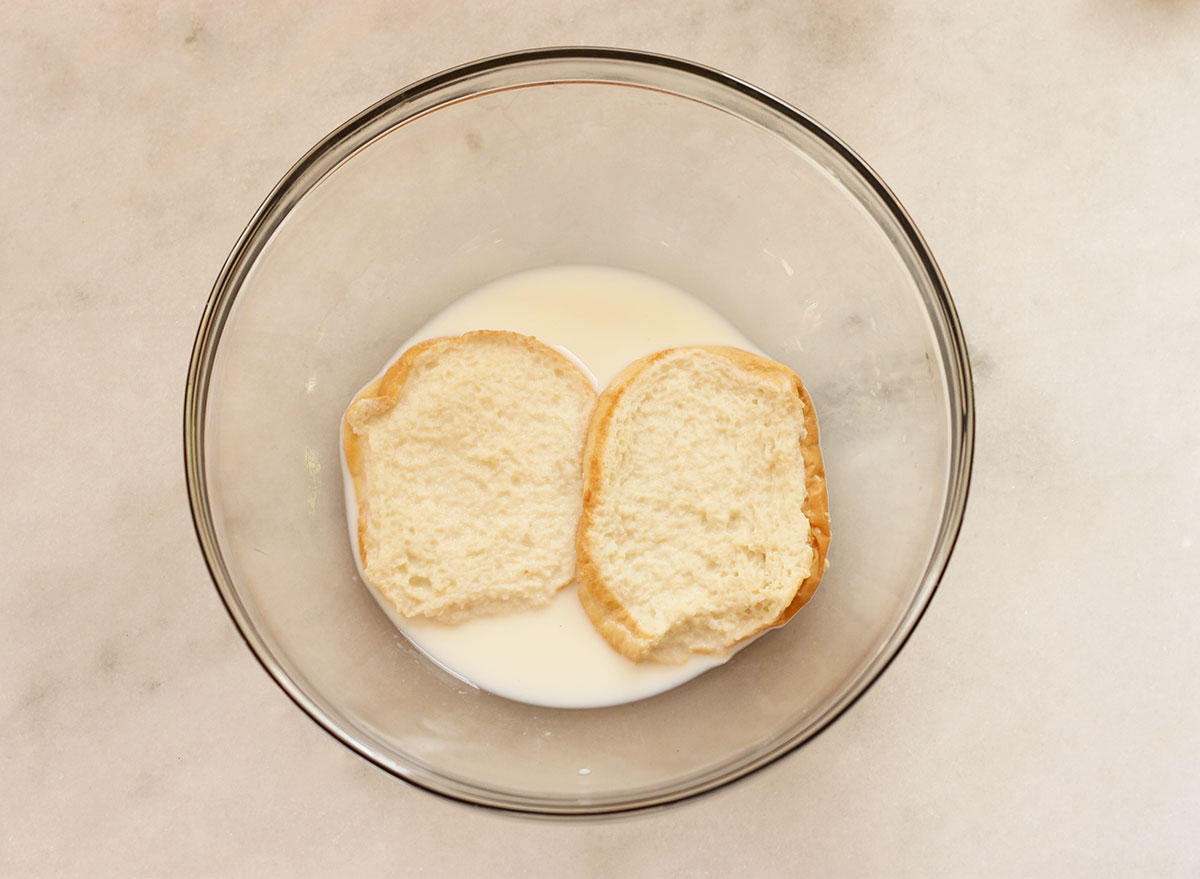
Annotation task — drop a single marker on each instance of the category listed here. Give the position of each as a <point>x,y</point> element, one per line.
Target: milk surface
<point>603,319</point>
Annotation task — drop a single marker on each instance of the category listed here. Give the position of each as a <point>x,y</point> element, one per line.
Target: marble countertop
<point>1044,719</point>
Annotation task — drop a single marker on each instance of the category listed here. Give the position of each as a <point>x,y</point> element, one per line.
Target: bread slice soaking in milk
<point>465,460</point>
<point>705,517</point>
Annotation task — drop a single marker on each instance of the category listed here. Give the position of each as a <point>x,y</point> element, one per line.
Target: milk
<point>603,319</point>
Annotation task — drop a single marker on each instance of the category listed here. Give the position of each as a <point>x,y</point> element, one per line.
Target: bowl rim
<point>313,167</point>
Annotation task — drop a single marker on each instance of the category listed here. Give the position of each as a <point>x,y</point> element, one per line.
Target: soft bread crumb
<point>465,457</point>
<point>705,517</point>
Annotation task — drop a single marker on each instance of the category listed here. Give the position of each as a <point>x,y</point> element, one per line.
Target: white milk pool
<point>604,319</point>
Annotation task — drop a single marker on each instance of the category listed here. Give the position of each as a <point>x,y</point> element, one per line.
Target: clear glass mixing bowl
<point>574,156</point>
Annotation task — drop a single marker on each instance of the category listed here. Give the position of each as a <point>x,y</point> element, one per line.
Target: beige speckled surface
<point>1043,721</point>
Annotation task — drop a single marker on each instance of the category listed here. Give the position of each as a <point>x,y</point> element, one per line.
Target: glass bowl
<point>574,156</point>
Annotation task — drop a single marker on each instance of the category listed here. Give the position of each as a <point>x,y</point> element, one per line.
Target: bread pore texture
<point>465,459</point>
<point>705,518</point>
